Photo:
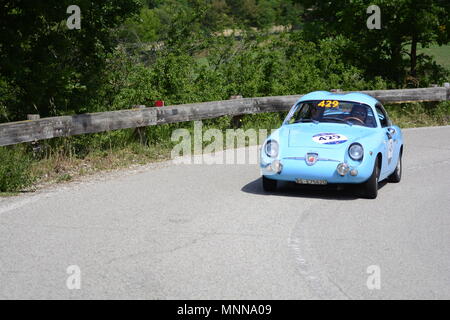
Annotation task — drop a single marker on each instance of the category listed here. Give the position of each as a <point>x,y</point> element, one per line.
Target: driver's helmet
<point>359,112</point>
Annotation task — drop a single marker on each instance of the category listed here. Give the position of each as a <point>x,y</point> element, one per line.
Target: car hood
<point>325,135</point>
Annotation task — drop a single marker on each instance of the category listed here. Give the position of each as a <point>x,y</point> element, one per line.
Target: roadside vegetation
<point>135,52</point>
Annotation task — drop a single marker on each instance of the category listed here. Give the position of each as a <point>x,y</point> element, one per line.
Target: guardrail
<point>48,128</point>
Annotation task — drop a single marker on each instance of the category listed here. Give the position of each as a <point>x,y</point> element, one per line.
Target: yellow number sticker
<point>328,104</point>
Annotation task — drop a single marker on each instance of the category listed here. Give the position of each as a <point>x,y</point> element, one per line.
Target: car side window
<point>384,120</point>
<point>303,110</point>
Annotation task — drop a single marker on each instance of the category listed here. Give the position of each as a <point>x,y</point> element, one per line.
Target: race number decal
<point>390,151</point>
<point>329,138</point>
<point>328,104</point>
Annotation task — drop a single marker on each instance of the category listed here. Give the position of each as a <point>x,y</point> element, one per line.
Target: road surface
<point>209,232</point>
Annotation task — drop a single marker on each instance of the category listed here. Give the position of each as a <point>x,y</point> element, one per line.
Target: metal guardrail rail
<point>47,128</point>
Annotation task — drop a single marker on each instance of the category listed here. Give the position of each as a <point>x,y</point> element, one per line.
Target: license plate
<point>314,182</point>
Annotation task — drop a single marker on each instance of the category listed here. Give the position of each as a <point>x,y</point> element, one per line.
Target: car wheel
<point>370,187</point>
<point>269,185</point>
<point>396,176</point>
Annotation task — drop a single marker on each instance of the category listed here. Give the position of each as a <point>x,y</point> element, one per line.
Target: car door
<point>390,138</point>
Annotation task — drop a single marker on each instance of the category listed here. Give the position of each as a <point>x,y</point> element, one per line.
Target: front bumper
<point>324,169</point>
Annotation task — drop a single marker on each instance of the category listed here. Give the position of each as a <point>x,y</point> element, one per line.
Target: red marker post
<point>159,103</point>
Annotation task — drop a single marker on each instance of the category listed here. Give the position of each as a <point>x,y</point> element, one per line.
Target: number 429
<point>328,104</point>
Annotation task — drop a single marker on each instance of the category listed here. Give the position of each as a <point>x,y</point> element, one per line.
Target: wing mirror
<point>391,131</point>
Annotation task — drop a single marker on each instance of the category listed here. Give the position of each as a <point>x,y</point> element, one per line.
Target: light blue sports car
<point>334,138</point>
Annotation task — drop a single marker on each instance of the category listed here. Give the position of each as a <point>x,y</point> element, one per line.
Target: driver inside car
<point>359,112</point>
<point>316,113</point>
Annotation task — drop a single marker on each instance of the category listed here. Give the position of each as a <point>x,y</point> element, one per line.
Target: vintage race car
<point>334,138</point>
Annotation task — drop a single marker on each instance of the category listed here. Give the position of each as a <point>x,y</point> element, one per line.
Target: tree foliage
<point>392,51</point>
<point>55,68</point>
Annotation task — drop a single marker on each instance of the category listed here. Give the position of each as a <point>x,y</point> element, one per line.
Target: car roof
<point>351,96</point>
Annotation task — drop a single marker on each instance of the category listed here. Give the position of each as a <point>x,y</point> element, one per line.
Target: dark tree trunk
<point>414,55</point>
<point>396,71</point>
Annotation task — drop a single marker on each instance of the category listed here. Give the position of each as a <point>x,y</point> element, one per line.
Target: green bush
<point>412,115</point>
<point>14,169</point>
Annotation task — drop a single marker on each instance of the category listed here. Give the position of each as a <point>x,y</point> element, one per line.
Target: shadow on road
<point>290,189</point>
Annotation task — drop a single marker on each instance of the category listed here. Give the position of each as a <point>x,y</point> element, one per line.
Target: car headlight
<point>271,148</point>
<point>356,151</point>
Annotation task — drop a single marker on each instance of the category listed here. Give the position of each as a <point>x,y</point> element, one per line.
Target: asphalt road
<point>209,232</point>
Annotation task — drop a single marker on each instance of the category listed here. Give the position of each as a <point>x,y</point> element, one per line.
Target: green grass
<point>64,178</point>
<point>413,115</point>
<point>440,54</point>
<point>8,194</point>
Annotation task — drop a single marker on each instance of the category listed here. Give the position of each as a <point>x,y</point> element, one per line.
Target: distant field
<point>441,54</point>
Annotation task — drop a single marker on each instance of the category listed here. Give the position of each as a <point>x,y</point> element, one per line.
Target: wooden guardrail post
<point>236,121</point>
<point>32,117</point>
<point>35,145</point>
<point>139,132</point>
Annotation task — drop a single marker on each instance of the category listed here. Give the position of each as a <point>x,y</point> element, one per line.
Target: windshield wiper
<point>338,119</point>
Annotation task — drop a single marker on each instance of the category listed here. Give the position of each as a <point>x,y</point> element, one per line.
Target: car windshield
<point>350,113</point>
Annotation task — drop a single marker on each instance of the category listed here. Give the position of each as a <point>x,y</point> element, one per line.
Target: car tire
<point>269,185</point>
<point>396,176</point>
<point>370,187</point>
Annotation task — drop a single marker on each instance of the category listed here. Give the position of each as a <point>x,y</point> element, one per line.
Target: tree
<point>142,28</point>
<point>54,69</point>
<point>405,24</point>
